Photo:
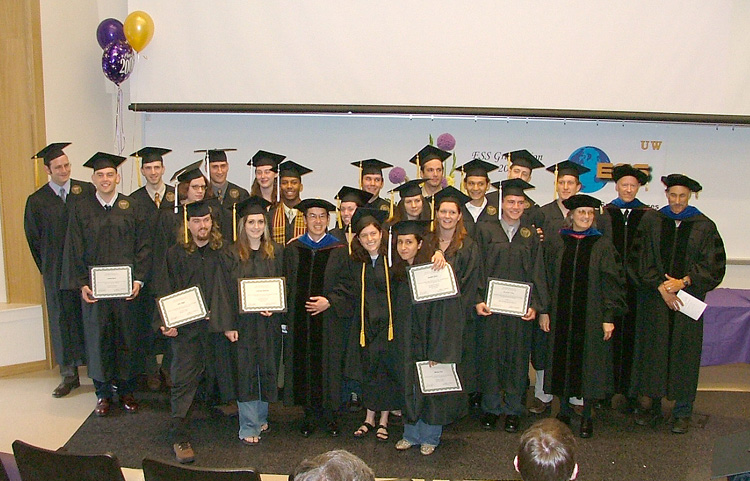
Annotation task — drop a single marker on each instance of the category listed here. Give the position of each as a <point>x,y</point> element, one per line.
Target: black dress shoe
<point>332,428</point>
<point>306,429</point>
<point>648,418</point>
<point>564,418</point>
<point>681,425</point>
<point>68,384</point>
<point>511,423</point>
<point>102,407</point>
<point>475,400</point>
<point>129,403</point>
<point>488,420</point>
<point>587,428</point>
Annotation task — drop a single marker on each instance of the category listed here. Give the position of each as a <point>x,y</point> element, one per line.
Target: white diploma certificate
<point>263,294</point>
<point>427,284</point>
<point>438,378</point>
<point>510,298</point>
<point>111,282</point>
<point>182,307</point>
<point>692,306</point>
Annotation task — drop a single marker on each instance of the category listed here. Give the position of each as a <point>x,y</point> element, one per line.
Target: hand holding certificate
<point>111,282</point>
<point>427,284</point>
<point>182,307</point>
<point>439,378</point>
<point>510,298</point>
<point>263,294</point>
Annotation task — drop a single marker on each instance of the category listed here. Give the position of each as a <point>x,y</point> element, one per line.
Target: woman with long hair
<point>412,205</point>
<point>587,291</point>
<point>430,331</point>
<point>373,357</point>
<point>256,335</point>
<point>265,184</point>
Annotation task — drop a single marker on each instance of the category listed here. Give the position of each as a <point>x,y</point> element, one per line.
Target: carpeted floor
<point>619,449</point>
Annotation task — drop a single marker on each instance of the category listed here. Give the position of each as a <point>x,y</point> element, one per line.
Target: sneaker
<point>183,452</point>
<point>403,445</point>
<point>681,425</point>
<point>539,406</point>
<point>427,449</point>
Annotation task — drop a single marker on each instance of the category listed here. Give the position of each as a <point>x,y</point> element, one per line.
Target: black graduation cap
<point>262,158</point>
<point>197,209</point>
<point>678,179</point>
<point>310,203</point>
<point>51,152</point>
<point>186,174</point>
<point>103,160</point>
<point>428,153</point>
<point>364,216</point>
<point>150,154</point>
<point>567,167</point>
<point>477,168</point>
<point>731,455</point>
<point>523,158</point>
<point>410,189</point>
<point>215,155</point>
<point>371,166</point>
<point>290,168</point>
<point>581,200</point>
<point>252,205</point>
<point>514,187</point>
<point>450,193</point>
<point>350,194</point>
<point>625,170</point>
<point>416,227</point>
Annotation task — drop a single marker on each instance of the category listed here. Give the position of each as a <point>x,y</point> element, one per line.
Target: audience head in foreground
<point>338,465</point>
<point>547,452</point>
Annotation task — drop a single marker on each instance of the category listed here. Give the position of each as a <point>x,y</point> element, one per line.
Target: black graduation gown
<point>234,194</point>
<point>668,344</point>
<point>490,212</point>
<point>377,365</point>
<point>380,204</point>
<point>141,195</point>
<point>506,340</point>
<point>45,223</point>
<point>97,237</point>
<point>259,342</point>
<point>430,331</point>
<point>313,359</point>
<point>622,233</point>
<point>587,289</point>
<point>207,269</point>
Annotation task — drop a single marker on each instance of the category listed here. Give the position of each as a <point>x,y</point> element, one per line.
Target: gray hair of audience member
<point>547,452</point>
<point>338,465</point>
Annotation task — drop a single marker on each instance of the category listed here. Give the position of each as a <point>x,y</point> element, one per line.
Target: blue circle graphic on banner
<point>588,157</point>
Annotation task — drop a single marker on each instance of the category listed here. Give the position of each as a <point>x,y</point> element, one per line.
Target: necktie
<point>218,194</point>
<point>157,199</point>
<point>62,193</point>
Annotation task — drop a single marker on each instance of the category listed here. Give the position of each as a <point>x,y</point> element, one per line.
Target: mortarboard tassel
<point>362,310</point>
<point>278,189</point>
<point>339,223</point>
<point>509,162</point>
<point>234,221</point>
<point>360,175</point>
<point>349,238</point>
<point>36,172</point>
<point>390,207</point>
<point>555,189</point>
<point>390,246</point>
<point>463,184</point>
<point>432,214</point>
<point>184,223</point>
<point>135,166</point>
<point>390,309</point>
<point>419,170</point>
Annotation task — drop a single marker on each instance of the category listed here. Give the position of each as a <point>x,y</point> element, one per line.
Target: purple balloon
<point>117,62</point>
<point>109,31</point>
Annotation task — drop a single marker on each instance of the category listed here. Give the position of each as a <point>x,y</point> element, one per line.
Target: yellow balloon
<point>139,29</point>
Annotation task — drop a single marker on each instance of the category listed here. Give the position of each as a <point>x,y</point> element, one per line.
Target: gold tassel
<point>509,163</point>
<point>234,221</point>
<point>36,172</point>
<point>390,309</point>
<point>135,164</point>
<point>696,195</point>
<point>362,310</point>
<point>349,237</point>
<point>555,190</point>
<point>184,222</point>
<point>463,183</point>
<point>390,208</point>
<point>338,214</point>
<point>432,214</point>
<point>360,175</point>
<point>419,170</point>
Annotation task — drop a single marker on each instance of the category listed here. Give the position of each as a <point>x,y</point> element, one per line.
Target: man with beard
<point>678,249</point>
<point>227,193</point>
<point>286,223</point>
<point>198,260</point>
<point>371,181</point>
<point>312,349</point>
<point>108,229</point>
<point>46,224</point>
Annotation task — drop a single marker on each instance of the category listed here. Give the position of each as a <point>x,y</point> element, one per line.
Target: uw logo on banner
<point>653,144</point>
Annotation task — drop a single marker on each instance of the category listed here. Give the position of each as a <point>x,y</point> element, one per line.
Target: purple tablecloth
<point>726,327</point>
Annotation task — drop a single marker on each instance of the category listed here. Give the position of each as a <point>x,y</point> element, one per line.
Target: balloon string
<point>136,169</point>
<point>119,134</point>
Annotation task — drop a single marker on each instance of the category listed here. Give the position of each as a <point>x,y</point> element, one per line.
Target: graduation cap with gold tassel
<point>48,154</point>
<point>566,167</point>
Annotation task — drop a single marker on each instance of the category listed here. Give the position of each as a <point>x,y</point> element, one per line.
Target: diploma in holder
<point>510,298</point>
<point>111,282</point>
<point>427,284</point>
<point>263,294</point>
<point>182,307</point>
<point>439,378</point>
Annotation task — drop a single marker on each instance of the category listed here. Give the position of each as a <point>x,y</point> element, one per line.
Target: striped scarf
<point>279,225</point>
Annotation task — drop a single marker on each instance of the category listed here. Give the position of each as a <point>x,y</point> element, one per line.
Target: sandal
<point>382,433</point>
<point>248,441</point>
<point>266,428</point>
<point>363,430</point>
